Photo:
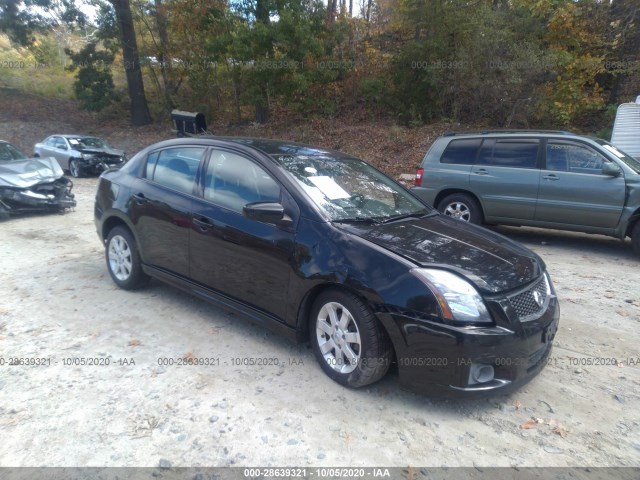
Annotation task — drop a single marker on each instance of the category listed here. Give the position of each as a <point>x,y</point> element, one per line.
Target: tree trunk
<point>165,60</point>
<point>139,109</point>
<point>332,6</point>
<point>262,104</point>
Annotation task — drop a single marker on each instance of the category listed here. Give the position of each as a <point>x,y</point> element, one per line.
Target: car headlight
<point>459,300</point>
<point>87,156</point>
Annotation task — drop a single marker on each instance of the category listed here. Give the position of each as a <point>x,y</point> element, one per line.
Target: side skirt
<point>226,303</point>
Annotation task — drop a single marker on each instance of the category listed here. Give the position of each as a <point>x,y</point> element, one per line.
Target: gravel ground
<point>58,303</point>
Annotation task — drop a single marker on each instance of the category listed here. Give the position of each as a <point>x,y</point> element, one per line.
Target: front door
<point>243,258</point>
<point>573,189</point>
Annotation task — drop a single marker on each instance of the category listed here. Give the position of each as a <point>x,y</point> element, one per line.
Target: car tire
<point>123,260</point>
<point>74,168</point>
<point>350,344</point>
<point>462,207</point>
<point>635,237</point>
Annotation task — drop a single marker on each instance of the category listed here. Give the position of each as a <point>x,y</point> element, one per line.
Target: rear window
<point>461,152</point>
<point>175,168</point>
<point>517,153</point>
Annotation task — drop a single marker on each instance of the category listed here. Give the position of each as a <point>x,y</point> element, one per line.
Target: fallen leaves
<point>560,430</point>
<point>531,423</point>
<point>134,342</point>
<point>188,356</point>
<point>555,427</point>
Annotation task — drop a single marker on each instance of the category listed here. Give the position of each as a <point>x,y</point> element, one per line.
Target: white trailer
<point>626,128</point>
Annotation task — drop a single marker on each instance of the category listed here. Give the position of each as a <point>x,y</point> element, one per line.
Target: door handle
<point>551,177</point>
<point>481,171</point>
<point>140,198</point>
<point>202,223</point>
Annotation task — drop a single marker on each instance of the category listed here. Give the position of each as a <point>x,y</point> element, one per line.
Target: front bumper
<point>96,166</point>
<point>441,359</point>
<point>54,196</point>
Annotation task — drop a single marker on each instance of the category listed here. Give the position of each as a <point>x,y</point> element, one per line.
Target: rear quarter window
<point>461,152</point>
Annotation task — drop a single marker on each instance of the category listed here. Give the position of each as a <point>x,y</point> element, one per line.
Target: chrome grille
<point>525,304</point>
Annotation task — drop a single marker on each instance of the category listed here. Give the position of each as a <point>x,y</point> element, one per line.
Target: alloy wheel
<point>338,337</point>
<point>120,260</point>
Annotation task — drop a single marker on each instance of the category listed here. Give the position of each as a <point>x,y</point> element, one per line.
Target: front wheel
<point>461,206</point>
<point>123,260</point>
<point>74,168</point>
<point>350,344</point>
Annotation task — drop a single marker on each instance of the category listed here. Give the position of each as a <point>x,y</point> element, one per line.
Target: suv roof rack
<point>487,132</point>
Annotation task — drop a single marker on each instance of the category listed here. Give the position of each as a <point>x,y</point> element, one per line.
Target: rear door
<point>573,189</point>
<point>238,256</point>
<point>160,207</point>
<point>505,178</point>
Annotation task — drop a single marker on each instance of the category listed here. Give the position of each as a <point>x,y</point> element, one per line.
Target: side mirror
<point>611,169</point>
<point>267,212</point>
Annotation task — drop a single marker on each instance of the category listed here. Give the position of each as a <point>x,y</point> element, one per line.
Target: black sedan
<point>320,246</point>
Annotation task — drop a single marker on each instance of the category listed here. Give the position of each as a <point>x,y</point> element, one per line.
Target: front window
<point>8,152</point>
<point>233,181</point>
<point>87,142</point>
<point>631,162</point>
<point>573,157</point>
<point>346,188</point>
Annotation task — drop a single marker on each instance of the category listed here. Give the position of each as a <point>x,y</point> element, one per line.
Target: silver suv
<point>549,179</point>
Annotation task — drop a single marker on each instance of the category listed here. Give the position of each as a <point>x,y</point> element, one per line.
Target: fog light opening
<point>481,373</point>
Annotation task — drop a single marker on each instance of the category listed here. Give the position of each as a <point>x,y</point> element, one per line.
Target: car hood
<point>27,172</point>
<point>489,260</point>
<point>101,151</point>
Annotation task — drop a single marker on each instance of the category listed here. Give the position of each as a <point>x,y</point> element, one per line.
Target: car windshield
<point>87,142</point>
<point>631,162</point>
<point>8,152</point>
<point>348,189</point>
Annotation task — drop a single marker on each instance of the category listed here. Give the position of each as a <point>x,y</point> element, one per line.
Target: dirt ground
<point>58,304</point>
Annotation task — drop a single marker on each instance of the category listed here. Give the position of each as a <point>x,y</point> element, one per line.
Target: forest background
<point>561,64</point>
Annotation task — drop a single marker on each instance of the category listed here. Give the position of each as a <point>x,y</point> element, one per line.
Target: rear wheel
<point>461,206</point>
<point>74,168</point>
<point>123,260</point>
<point>635,237</point>
<point>350,344</point>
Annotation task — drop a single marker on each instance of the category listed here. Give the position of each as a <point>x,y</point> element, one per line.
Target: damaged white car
<point>31,184</point>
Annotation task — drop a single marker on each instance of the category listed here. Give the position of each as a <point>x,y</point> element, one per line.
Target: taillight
<point>418,181</point>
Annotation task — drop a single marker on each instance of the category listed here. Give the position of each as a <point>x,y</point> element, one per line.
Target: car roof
<point>70,135</point>
<point>267,146</point>
<point>512,132</point>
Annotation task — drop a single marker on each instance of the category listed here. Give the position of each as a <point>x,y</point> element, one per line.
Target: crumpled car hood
<point>492,262</point>
<point>101,151</point>
<point>28,172</point>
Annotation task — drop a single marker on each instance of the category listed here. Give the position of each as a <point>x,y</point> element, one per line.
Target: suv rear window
<point>518,153</point>
<point>461,152</point>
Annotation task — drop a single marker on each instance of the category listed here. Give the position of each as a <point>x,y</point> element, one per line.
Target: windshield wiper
<point>418,214</point>
<point>372,220</point>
